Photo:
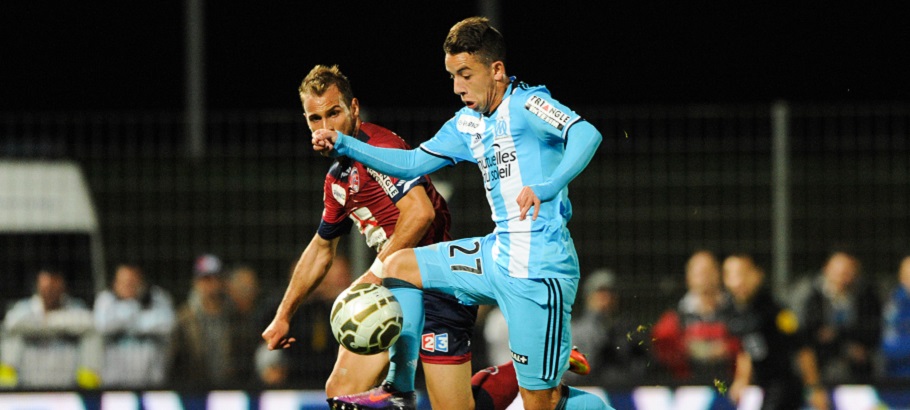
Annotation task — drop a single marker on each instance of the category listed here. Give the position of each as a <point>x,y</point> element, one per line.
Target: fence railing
<point>666,181</point>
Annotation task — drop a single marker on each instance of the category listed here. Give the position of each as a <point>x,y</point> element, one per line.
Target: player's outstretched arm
<point>398,163</point>
<point>582,141</point>
<point>311,268</point>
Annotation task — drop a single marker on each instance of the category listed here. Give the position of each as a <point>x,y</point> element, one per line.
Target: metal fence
<point>666,181</point>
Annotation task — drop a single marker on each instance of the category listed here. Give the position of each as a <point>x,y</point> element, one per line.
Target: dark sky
<point>125,55</point>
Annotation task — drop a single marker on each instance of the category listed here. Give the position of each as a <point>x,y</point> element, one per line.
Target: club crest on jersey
<point>469,125</point>
<point>500,131</point>
<point>354,181</point>
<point>547,112</point>
<point>339,194</point>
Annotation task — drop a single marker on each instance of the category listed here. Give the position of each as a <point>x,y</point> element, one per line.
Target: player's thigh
<point>354,373</point>
<point>447,330</point>
<point>402,265</point>
<point>460,268</point>
<point>449,385</point>
<point>538,312</point>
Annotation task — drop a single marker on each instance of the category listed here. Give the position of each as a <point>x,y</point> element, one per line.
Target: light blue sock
<point>404,353</point>
<point>580,400</point>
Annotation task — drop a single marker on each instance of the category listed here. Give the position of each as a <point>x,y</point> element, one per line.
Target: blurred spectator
<point>248,315</point>
<point>842,316</point>
<point>135,321</point>
<point>273,368</point>
<point>896,332</point>
<point>203,341</point>
<point>614,345</point>
<point>49,339</point>
<point>692,341</point>
<point>770,342</point>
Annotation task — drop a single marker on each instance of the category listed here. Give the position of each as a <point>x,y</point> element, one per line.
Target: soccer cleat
<point>578,363</point>
<point>384,397</point>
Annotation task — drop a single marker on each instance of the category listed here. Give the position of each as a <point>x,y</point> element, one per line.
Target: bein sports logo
<point>432,342</point>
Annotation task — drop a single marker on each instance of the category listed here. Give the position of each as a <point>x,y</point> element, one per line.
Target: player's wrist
<point>376,268</point>
<point>543,190</point>
<point>337,145</point>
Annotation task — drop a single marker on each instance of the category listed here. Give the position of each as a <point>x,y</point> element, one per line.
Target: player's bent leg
<point>402,278</point>
<point>403,265</point>
<point>354,373</point>
<point>404,353</point>
<point>397,391</point>
<point>449,386</point>
<point>445,350</point>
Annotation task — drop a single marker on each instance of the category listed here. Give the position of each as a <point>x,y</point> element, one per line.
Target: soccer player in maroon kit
<point>391,214</point>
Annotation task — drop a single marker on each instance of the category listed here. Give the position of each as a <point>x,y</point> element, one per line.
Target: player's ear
<point>355,107</point>
<point>499,70</point>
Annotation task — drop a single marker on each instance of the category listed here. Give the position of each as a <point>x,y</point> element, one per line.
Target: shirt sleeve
<point>554,123</point>
<point>406,164</point>
<point>449,142</point>
<point>578,154</point>
<point>395,188</point>
<point>548,117</point>
<point>335,221</point>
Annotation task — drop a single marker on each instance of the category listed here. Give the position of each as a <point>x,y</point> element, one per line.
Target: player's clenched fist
<point>276,335</point>
<point>324,140</point>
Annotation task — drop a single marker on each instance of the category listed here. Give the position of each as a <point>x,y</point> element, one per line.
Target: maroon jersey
<point>355,194</point>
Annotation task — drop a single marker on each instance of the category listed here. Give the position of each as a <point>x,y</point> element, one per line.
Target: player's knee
<point>402,265</point>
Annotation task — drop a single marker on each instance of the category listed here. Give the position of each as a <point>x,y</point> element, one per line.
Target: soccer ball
<point>366,319</point>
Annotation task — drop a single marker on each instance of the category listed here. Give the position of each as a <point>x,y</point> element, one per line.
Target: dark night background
<point>103,55</point>
<point>681,90</point>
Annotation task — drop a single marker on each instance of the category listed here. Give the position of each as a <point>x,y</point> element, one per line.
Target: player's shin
<point>404,353</point>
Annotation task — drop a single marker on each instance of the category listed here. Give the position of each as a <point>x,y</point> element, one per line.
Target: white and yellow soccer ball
<point>366,319</point>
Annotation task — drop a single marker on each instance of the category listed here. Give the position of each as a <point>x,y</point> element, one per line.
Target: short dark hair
<point>475,35</point>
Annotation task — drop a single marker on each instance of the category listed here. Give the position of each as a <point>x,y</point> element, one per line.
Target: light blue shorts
<point>537,311</point>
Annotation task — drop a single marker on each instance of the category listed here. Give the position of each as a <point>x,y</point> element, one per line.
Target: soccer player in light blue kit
<point>528,147</point>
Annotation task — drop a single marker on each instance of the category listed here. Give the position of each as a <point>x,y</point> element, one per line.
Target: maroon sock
<point>498,383</point>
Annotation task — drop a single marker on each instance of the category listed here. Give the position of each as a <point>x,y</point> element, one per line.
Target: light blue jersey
<point>518,145</point>
<point>529,268</point>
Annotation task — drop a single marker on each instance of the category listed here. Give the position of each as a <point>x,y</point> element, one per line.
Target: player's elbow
<point>584,134</point>
<point>595,137</point>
